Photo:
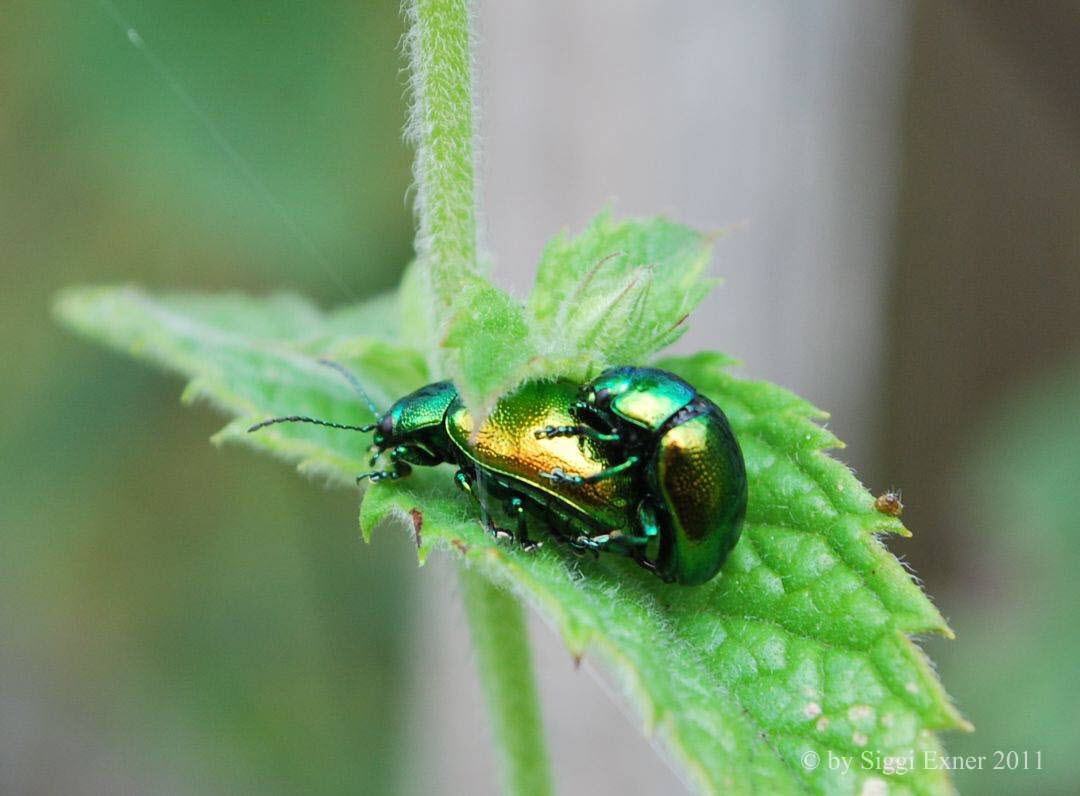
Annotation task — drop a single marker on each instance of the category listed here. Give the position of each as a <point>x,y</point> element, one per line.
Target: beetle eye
<point>601,395</point>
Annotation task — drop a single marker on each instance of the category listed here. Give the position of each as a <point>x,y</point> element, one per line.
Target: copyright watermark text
<point>925,760</point>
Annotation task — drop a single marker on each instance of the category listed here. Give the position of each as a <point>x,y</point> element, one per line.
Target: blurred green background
<point>177,618</point>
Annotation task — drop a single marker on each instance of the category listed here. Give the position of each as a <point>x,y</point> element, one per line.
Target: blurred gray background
<point>899,186</point>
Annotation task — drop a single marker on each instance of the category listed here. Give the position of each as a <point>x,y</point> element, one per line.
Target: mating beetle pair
<point>636,462</point>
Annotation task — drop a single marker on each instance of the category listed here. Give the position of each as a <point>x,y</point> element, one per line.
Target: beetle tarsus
<point>560,476</point>
<point>515,507</point>
<point>551,432</point>
<point>376,475</point>
<point>401,469</point>
<point>588,542</point>
<point>500,534</point>
<point>464,481</point>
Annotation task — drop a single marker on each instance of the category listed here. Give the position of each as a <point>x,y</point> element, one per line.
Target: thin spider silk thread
<point>168,77</point>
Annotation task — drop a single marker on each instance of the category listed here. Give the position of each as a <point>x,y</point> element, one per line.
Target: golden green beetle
<point>678,449</point>
<point>590,484</point>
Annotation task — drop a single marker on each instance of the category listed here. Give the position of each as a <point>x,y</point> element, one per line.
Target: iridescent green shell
<point>697,472</point>
<point>694,467</point>
<point>646,397</point>
<point>686,483</point>
<point>421,409</point>
<point>505,443</point>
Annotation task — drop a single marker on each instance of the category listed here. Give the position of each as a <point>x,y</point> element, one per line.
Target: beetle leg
<point>375,476</point>
<point>617,541</point>
<point>633,543</point>
<point>414,454</point>
<point>550,432</point>
<point>515,508</point>
<point>399,470</point>
<point>649,527</point>
<point>593,543</point>
<point>584,544</point>
<point>500,534</point>
<point>646,515</point>
<point>464,481</point>
<point>591,414</point>
<point>559,476</point>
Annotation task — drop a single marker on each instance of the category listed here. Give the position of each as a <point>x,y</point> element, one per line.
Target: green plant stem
<point>441,128</point>
<point>505,665</point>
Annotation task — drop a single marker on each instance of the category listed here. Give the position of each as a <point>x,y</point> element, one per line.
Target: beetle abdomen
<point>505,443</point>
<point>698,470</point>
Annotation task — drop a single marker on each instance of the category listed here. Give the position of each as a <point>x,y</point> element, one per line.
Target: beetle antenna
<point>301,419</point>
<point>355,382</point>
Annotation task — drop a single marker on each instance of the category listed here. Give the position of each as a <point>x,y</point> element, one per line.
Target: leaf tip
<point>370,515</point>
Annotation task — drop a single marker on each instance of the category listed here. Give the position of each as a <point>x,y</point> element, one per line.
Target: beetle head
<point>613,382</point>
<point>412,417</point>
<point>384,437</point>
<point>641,396</point>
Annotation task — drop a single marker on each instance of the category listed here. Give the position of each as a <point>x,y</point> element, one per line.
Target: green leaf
<point>618,292</point>
<point>486,347</point>
<point>489,343</point>
<point>801,647</point>
<point>258,374</point>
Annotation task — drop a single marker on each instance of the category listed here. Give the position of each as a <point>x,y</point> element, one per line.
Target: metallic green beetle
<point>581,488</point>
<point>678,449</point>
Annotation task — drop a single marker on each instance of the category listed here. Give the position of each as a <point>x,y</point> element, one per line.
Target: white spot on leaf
<point>860,713</point>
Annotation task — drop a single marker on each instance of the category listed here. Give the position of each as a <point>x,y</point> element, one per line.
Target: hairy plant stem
<point>441,127</point>
<point>505,665</point>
